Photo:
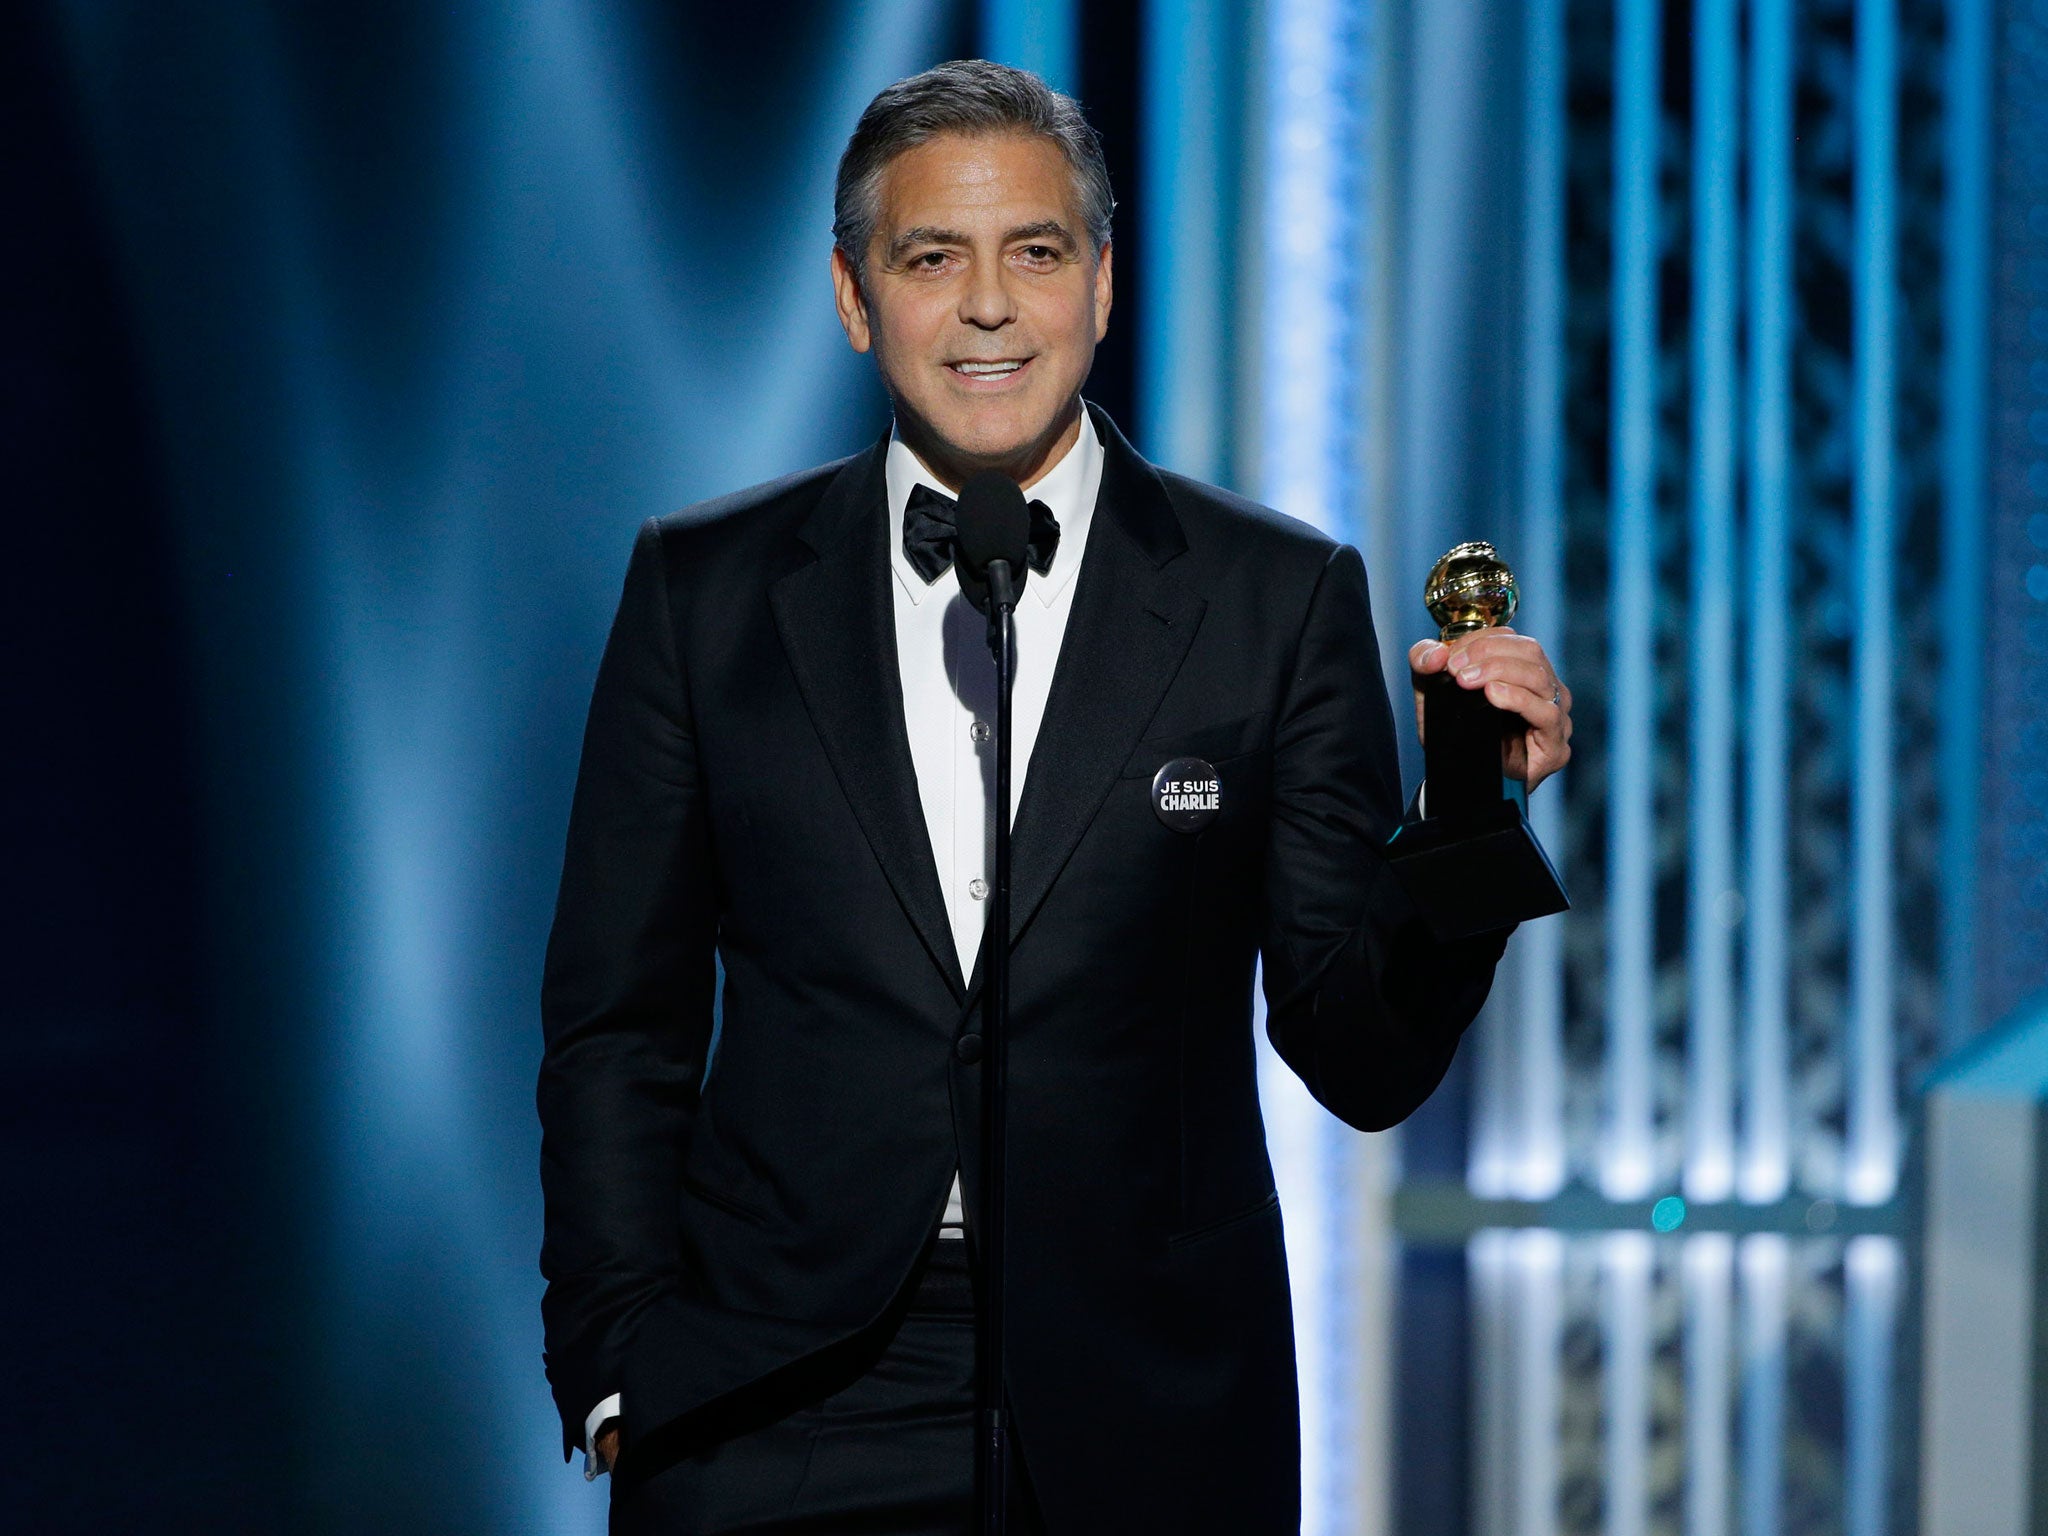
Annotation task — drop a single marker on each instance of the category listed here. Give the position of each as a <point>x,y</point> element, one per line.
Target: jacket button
<point>968,1048</point>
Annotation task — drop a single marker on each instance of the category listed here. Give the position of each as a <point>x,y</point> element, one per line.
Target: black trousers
<point>878,1439</point>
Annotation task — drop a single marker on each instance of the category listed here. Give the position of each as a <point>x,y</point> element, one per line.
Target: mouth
<point>988,374</point>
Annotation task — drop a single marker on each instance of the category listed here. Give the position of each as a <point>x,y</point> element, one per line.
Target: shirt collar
<point>1069,489</point>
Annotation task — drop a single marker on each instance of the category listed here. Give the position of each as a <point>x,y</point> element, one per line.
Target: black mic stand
<point>992,1449</point>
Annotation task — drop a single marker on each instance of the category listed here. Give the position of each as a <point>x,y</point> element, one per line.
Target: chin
<point>996,438</point>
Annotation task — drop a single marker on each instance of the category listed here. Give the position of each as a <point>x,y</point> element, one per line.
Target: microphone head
<point>992,523</point>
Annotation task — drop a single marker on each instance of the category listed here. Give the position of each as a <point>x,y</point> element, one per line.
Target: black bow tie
<point>928,533</point>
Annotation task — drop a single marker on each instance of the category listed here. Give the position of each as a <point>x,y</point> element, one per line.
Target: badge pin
<point>1187,794</point>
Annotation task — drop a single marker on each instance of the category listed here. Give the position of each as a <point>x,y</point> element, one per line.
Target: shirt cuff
<point>608,1409</point>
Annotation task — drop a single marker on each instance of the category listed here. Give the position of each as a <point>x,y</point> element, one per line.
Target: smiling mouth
<point>991,372</point>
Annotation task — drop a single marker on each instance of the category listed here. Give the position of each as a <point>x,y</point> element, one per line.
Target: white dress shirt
<point>949,706</point>
<point>949,686</point>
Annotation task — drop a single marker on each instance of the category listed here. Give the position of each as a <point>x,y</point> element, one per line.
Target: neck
<point>952,467</point>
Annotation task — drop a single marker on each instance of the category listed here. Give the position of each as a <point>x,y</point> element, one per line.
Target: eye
<point>1041,256</point>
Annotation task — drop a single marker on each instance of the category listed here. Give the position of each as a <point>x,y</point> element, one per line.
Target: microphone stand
<point>992,1450</point>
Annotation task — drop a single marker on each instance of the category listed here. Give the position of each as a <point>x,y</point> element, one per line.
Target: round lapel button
<point>1187,794</point>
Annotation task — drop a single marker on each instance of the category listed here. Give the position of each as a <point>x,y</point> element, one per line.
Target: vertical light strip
<point>1538,1259</point>
<point>1306,448</point>
<point>1517,1315</point>
<point>1625,1333</point>
<point>1872,1140</point>
<point>1966,290</point>
<point>1184,345</point>
<point>1763,1385</point>
<point>1710,1067</point>
<point>1709,1281</point>
<point>1364,1473</point>
<point>1870,1313</point>
<point>1627,1172</point>
<point>1539,1167</point>
<point>1039,35</point>
<point>1299,1137</point>
<point>1766,1144</point>
<point>1488,1267</point>
<point>1309,263</point>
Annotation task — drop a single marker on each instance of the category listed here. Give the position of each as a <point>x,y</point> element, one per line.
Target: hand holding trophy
<point>1472,864</point>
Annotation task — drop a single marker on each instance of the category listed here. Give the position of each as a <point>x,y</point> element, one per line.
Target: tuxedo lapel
<point>838,629</point>
<point>1134,617</point>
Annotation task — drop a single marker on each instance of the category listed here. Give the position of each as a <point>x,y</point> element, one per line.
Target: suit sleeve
<point>1362,1002</point>
<point>626,1001</point>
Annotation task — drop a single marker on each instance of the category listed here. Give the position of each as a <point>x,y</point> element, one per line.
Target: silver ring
<point>1556,692</point>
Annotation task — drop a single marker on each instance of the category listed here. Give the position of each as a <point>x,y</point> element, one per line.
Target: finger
<point>1532,707</point>
<point>1494,644</point>
<point>1515,668</point>
<point>1427,656</point>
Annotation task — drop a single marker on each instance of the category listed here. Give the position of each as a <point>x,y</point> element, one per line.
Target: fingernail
<point>1430,653</point>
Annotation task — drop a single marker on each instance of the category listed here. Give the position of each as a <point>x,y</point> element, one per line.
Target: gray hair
<point>967,96</point>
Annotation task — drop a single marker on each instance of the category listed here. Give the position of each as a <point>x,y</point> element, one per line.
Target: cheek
<point>906,331</point>
<point>1072,324</point>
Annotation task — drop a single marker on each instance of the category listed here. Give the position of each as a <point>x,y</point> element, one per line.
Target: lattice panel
<point>1805,1338</point>
<point>2013,904</point>
<point>1588,405</point>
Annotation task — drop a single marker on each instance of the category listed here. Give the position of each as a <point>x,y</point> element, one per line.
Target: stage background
<point>347,347</point>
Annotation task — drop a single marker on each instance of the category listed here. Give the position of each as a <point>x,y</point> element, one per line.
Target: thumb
<point>1427,656</point>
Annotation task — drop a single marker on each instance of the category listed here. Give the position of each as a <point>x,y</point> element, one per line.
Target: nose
<point>985,299</point>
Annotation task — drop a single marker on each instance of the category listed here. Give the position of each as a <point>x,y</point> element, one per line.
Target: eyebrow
<point>931,234</point>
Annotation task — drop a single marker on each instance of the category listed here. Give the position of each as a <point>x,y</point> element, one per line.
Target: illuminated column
<point>1537,1260</point>
<point>1311,289</point>
<point>1762,1424</point>
<point>1766,1153</point>
<point>1492,1466</point>
<point>1626,1171</point>
<point>1709,1279</point>
<point>1038,35</point>
<point>1870,1163</point>
<point>1628,1260</point>
<point>1870,1315</point>
<point>1537,1170</point>
<point>1710,802</point>
<point>1518,1325</point>
<point>1184,347</point>
<point>1965,270</point>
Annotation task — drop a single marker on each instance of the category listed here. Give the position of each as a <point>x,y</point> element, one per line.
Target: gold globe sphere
<point>1470,589</point>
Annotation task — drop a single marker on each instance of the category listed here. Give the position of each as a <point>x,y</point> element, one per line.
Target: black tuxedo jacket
<point>724,1200</point>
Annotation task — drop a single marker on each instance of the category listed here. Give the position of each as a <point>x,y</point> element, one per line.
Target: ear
<point>847,298</point>
<point>1104,291</point>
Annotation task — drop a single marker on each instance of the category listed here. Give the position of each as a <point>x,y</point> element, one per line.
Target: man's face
<point>982,302</point>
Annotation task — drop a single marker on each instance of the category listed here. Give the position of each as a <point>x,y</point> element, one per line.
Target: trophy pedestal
<point>1473,865</point>
<point>1476,873</point>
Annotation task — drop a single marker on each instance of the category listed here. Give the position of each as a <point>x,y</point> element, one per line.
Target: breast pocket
<point>1216,744</point>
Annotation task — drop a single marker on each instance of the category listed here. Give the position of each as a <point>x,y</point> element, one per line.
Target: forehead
<point>998,178</point>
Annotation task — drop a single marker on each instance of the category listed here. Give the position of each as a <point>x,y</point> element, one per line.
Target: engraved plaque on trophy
<point>1472,864</point>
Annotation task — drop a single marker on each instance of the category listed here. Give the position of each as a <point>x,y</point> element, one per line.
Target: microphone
<point>993,538</point>
<point>991,547</point>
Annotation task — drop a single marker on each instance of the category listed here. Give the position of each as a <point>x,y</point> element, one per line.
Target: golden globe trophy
<point>1472,864</point>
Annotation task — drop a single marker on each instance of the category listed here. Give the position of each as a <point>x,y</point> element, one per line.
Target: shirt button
<point>978,732</point>
<point>977,888</point>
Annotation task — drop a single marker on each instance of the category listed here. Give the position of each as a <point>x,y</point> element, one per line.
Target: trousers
<point>878,1440</point>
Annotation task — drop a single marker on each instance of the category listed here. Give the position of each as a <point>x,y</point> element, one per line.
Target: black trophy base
<point>1476,872</point>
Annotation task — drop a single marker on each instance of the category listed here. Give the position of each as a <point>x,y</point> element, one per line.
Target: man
<point>757,1301</point>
